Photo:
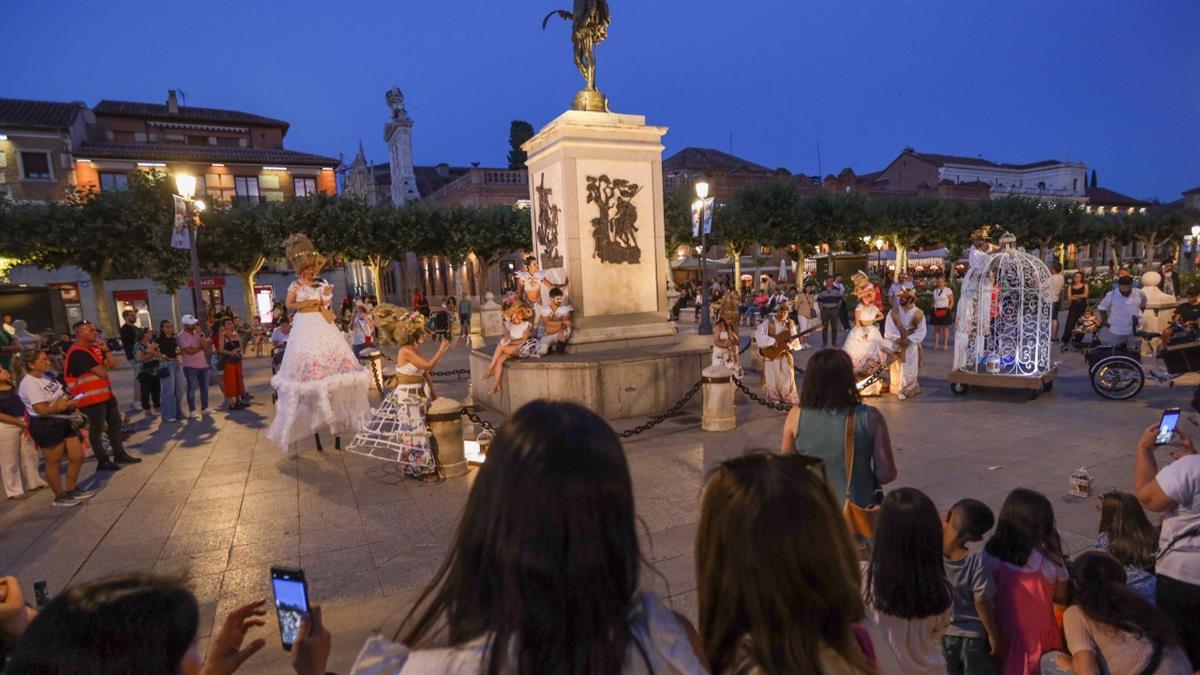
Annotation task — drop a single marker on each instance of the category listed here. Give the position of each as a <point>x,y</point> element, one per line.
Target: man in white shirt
<point>905,328</point>
<point>279,336</point>
<point>1174,491</point>
<point>1120,312</point>
<point>1057,281</point>
<point>776,340</point>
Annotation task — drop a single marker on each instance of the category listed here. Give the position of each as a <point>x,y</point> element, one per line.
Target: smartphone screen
<point>1166,426</point>
<point>291,601</point>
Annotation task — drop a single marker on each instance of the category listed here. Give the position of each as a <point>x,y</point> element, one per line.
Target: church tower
<point>360,179</point>
<point>398,134</point>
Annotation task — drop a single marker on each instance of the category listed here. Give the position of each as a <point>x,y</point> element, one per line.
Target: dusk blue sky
<point>1113,83</point>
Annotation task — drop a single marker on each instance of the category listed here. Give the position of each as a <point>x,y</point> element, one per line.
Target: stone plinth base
<point>611,333</point>
<point>630,382</point>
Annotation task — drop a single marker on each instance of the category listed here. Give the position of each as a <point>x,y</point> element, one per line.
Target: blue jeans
<point>1050,664</point>
<point>464,322</point>
<point>967,655</point>
<point>172,388</point>
<point>197,378</point>
<point>357,349</point>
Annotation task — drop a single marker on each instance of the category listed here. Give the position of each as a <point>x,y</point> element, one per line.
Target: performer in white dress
<point>905,328</point>
<point>397,430</point>
<point>981,247</point>
<point>867,349</point>
<point>726,340</point>
<point>320,383</point>
<point>776,340</point>
<point>518,341</point>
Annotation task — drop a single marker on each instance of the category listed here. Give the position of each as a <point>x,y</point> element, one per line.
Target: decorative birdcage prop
<point>1004,315</point>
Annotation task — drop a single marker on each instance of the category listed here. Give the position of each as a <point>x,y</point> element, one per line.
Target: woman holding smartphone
<point>51,427</point>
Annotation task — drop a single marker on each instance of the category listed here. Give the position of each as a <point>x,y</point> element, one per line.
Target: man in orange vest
<point>86,374</point>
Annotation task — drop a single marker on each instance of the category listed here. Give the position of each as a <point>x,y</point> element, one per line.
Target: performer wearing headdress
<point>867,349</point>
<point>534,281</point>
<point>776,339</point>
<point>319,383</point>
<point>981,247</point>
<point>905,327</point>
<point>397,431</point>
<point>518,341</point>
<point>726,340</point>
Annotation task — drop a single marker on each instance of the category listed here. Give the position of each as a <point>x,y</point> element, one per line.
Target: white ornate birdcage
<point>1004,314</point>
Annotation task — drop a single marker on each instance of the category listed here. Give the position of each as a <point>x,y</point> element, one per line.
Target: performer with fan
<point>776,340</point>
<point>726,340</point>
<point>320,383</point>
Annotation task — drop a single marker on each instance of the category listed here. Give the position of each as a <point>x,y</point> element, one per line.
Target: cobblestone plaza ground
<point>215,501</point>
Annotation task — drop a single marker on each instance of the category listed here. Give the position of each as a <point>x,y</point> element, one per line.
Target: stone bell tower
<point>398,134</point>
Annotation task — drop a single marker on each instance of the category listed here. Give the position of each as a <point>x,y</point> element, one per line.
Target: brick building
<point>37,144</point>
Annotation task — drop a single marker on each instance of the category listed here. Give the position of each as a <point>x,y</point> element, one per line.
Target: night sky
<point>1115,83</point>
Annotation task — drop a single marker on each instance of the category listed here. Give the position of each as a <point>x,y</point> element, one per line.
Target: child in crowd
<point>1088,325</point>
<point>972,638</point>
<point>905,587</point>
<point>1025,556</point>
<point>1126,533</point>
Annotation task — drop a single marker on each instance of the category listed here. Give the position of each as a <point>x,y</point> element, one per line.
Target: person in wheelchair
<point>1120,313</point>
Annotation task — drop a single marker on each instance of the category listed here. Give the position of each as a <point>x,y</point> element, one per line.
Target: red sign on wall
<point>209,282</point>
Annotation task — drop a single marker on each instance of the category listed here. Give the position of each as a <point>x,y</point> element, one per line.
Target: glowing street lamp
<point>185,185</point>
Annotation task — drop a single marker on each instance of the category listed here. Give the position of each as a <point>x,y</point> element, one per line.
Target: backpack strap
<point>848,451</point>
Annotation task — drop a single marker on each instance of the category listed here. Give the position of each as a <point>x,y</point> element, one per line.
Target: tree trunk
<point>377,263</point>
<point>104,311</point>
<point>901,256</point>
<point>737,267</point>
<point>247,277</point>
<point>1045,249</point>
<point>799,266</point>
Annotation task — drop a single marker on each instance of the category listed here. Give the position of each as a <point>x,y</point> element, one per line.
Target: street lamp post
<point>186,186</point>
<point>705,327</point>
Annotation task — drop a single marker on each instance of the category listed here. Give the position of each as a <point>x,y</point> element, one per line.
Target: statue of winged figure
<point>589,27</point>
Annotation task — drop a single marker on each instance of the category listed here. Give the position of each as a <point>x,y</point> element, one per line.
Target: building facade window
<point>113,182</point>
<point>304,186</point>
<point>246,189</point>
<point>35,165</point>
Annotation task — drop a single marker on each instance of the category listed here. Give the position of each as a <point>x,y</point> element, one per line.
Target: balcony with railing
<point>488,185</point>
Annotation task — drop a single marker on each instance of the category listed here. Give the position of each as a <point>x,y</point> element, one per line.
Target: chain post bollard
<point>780,406</point>
<point>445,423</point>
<point>719,411</point>
<point>655,420</point>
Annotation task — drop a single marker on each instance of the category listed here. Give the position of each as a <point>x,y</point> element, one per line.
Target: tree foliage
<point>518,132</point>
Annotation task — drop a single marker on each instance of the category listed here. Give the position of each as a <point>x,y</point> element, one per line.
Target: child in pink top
<point>1025,556</point>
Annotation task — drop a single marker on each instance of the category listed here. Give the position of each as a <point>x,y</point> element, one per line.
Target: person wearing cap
<point>194,348</point>
<point>1120,313</point>
<point>905,327</point>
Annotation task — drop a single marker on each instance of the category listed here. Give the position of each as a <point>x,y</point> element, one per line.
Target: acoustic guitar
<point>781,343</point>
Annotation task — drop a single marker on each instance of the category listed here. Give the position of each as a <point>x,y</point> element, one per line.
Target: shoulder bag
<point>860,520</point>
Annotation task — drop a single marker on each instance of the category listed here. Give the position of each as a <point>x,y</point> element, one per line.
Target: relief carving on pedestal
<point>615,229</point>
<point>545,231</point>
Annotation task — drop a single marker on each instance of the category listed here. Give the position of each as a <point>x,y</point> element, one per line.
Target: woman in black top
<point>1077,295</point>
<point>170,375</point>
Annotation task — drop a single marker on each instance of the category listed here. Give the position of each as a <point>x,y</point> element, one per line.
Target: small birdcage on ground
<point>1002,331</point>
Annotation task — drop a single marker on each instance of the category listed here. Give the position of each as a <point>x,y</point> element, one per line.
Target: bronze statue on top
<point>589,26</point>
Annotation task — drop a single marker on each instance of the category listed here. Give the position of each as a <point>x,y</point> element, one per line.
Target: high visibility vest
<point>95,389</point>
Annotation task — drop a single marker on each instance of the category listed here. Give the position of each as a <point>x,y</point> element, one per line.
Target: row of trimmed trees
<point>778,215</point>
<point>126,234</point>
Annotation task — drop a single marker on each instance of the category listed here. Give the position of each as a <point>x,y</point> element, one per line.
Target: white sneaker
<point>209,411</point>
<point>170,420</point>
<point>136,406</point>
<point>193,415</point>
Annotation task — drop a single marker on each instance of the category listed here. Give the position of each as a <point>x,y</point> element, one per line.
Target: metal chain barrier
<point>658,419</point>
<point>478,420</point>
<point>782,407</point>
<point>448,373</point>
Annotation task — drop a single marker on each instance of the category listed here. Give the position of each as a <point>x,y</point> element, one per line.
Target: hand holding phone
<point>1166,426</point>
<point>291,602</point>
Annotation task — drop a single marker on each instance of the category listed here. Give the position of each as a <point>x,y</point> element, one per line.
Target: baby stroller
<point>440,325</point>
<point>276,361</point>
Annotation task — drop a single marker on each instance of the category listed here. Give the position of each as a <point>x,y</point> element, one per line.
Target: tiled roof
<point>941,160</point>
<point>708,159</point>
<point>165,152</point>
<point>15,112</point>
<point>185,114</point>
<point>1192,191</point>
<point>1106,197</point>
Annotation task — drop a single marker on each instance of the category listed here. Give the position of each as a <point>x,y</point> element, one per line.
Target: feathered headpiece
<point>301,254</point>
<point>398,325</point>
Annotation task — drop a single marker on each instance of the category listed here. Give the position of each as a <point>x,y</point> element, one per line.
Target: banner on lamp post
<point>697,206</point>
<point>179,233</point>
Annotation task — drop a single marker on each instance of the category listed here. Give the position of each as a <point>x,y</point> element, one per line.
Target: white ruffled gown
<point>320,384</point>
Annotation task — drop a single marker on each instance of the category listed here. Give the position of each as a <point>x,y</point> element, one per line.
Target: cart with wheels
<point>1002,330</point>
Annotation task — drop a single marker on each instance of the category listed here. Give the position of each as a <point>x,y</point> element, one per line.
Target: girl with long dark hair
<point>1025,555</point>
<point>542,575</point>
<point>905,585</point>
<point>1126,533</point>
<point>777,574</point>
<point>1112,630</point>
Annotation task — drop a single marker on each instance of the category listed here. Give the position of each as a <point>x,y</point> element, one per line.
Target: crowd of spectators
<point>544,572</point>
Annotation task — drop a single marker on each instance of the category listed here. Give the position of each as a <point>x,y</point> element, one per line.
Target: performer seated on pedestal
<point>867,349</point>
<point>518,341</point>
<point>533,281</point>
<point>905,327</point>
<point>397,429</point>
<point>556,317</point>
<point>776,339</point>
<point>726,340</point>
